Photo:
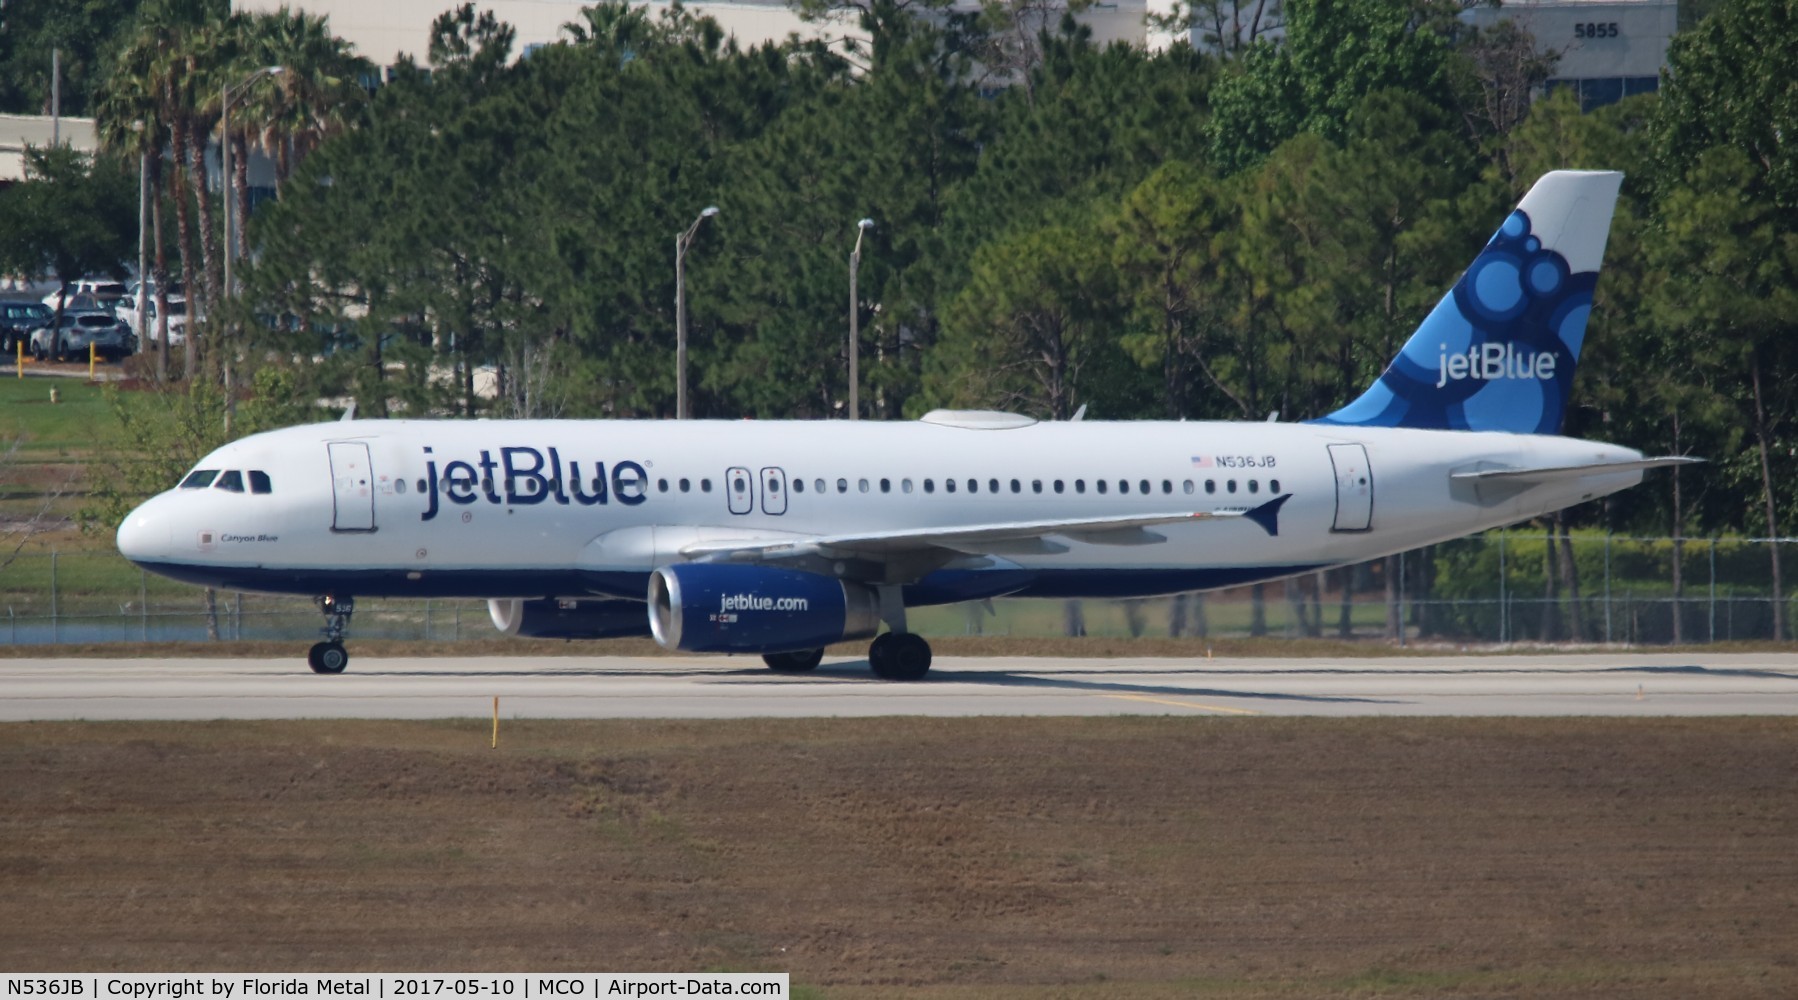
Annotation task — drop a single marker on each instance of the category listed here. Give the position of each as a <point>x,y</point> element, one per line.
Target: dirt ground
<point>1128,857</point>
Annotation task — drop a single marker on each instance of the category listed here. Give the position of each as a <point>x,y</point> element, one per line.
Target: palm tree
<point>132,121</point>
<point>316,95</point>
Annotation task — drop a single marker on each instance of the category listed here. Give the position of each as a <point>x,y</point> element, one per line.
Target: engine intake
<point>556,618</point>
<point>723,608</point>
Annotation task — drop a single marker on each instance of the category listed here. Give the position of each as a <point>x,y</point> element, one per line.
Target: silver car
<point>81,328</point>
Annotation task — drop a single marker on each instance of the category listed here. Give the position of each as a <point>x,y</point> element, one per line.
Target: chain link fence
<point>1497,588</point>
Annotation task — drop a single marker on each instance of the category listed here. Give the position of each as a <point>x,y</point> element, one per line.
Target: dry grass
<point>925,858</point>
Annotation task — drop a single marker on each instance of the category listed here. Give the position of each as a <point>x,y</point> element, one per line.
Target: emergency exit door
<point>352,487</point>
<point>1354,488</point>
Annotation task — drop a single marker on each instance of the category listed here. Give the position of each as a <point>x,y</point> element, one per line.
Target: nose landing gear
<point>329,657</point>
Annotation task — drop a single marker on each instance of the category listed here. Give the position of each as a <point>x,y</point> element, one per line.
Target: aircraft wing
<point>1548,474</point>
<point>1002,538</point>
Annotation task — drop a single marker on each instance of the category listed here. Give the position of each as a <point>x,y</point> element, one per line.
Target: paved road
<point>1610,684</point>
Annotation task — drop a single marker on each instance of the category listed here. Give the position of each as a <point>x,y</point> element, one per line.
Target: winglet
<point>1268,514</point>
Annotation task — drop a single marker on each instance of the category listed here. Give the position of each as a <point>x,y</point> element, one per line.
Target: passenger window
<point>798,485</point>
<point>1273,486</point>
<point>1123,486</point>
<point>1230,487</point>
<point>1143,487</point>
<point>992,486</point>
<point>818,485</point>
<point>1058,486</point>
<point>842,486</point>
<point>421,486</point>
<point>1101,485</point>
<point>863,484</point>
<point>1188,487</point>
<point>930,486</point>
<point>231,482</point>
<point>199,479</point>
<point>686,486</point>
<point>259,483</point>
<point>661,486</point>
<point>739,485</point>
<point>1016,487</point>
<point>1211,486</point>
<point>948,484</point>
<point>399,485</point>
<point>886,486</point>
<point>905,484</point>
<point>705,486</point>
<point>1036,486</point>
<point>1167,486</point>
<point>1079,486</point>
<point>1254,486</point>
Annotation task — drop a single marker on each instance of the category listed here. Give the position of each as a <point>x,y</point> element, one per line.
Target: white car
<point>81,328</point>
<point>145,327</point>
<point>97,288</point>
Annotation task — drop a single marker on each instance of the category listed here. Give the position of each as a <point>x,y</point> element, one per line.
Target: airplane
<point>779,538</point>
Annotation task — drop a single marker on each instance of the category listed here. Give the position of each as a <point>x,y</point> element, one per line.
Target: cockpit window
<point>232,481</point>
<point>259,482</point>
<point>199,479</point>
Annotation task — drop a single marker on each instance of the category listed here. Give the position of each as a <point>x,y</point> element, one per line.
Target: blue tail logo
<point>1498,352</point>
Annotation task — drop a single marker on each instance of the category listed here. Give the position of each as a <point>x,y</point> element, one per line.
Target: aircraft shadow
<point>1081,681</point>
<point>1703,672</point>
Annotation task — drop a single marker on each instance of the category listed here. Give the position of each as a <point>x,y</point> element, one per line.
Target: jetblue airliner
<point>780,537</point>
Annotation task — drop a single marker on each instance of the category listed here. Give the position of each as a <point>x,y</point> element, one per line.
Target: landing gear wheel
<point>796,662</point>
<point>327,658</point>
<point>899,656</point>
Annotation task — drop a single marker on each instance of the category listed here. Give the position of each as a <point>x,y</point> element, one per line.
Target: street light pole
<point>681,242</point>
<point>855,322</point>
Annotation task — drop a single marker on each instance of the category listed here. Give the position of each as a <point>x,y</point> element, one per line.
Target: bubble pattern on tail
<point>1497,353</point>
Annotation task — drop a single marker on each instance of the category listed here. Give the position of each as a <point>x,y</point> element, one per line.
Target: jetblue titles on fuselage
<point>524,475</point>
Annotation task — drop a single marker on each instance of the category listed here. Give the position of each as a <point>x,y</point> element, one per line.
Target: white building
<point>382,31</point>
<point>20,131</point>
<point>1609,49</point>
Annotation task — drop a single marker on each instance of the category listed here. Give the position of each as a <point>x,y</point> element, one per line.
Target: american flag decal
<point>1201,461</point>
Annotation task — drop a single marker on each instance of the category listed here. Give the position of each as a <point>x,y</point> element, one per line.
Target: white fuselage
<point>511,509</point>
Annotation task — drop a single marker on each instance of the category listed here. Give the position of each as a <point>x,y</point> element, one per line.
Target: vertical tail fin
<point>1498,352</point>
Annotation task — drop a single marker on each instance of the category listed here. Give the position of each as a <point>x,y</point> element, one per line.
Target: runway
<point>1592,684</point>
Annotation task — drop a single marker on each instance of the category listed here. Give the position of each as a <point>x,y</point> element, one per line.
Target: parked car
<point>80,328</point>
<point>146,330</point>
<point>17,320</point>
<point>98,288</point>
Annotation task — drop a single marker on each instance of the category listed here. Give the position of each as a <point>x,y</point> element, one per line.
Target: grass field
<point>1004,858</point>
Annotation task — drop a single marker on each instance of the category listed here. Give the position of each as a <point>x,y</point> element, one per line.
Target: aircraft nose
<point>145,534</point>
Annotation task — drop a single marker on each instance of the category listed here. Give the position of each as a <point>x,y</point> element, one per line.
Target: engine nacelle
<point>724,608</point>
<point>556,618</point>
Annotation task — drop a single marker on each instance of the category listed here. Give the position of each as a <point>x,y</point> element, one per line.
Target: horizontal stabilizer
<point>1556,473</point>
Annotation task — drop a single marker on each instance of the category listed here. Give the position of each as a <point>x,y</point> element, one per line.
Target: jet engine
<point>556,618</point>
<point>724,608</point>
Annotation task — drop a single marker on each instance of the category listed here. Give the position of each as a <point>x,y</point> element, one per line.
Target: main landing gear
<point>329,657</point>
<point>899,656</point>
<point>893,656</point>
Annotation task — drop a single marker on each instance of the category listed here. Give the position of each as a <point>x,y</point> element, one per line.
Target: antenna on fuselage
<point>350,412</point>
<point>1079,414</point>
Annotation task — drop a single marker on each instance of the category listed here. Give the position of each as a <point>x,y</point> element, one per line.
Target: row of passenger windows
<point>231,480</point>
<point>1142,486</point>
